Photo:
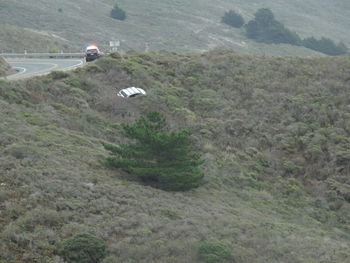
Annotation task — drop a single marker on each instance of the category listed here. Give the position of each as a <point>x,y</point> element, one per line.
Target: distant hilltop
<point>170,25</point>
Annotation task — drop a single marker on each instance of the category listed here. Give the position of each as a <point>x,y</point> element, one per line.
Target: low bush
<point>59,74</point>
<point>214,252</point>
<point>84,248</point>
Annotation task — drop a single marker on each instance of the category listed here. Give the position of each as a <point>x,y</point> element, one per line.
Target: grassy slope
<point>176,25</point>
<point>17,39</point>
<point>274,133</point>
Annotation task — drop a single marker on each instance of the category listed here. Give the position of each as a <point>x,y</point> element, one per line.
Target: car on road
<point>91,53</point>
<point>131,92</point>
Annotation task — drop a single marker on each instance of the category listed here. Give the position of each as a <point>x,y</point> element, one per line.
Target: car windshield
<point>124,94</point>
<point>90,51</point>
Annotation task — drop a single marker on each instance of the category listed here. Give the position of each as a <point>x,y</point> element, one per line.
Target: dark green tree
<point>159,157</point>
<point>233,19</point>
<point>264,28</point>
<point>118,13</point>
<point>264,17</point>
<point>252,29</point>
<point>325,45</point>
<point>84,248</point>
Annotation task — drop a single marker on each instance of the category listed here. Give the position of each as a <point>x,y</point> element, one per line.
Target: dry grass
<point>16,39</point>
<point>176,25</point>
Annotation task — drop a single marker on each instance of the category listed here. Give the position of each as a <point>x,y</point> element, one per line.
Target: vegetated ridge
<point>273,132</point>
<point>177,25</point>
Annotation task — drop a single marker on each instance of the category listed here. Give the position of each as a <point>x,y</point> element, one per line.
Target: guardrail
<point>31,55</point>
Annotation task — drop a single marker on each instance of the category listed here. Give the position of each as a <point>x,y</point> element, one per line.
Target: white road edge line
<point>74,66</point>
<point>40,73</point>
<point>23,70</point>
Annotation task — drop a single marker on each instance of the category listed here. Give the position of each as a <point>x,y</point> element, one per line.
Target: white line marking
<point>74,66</point>
<point>33,74</point>
<point>22,74</point>
<point>23,70</point>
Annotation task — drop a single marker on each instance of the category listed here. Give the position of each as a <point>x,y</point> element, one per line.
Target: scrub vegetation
<point>273,132</point>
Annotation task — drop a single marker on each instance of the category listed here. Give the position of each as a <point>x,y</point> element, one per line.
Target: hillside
<point>5,68</point>
<point>176,25</point>
<point>18,39</point>
<point>274,133</point>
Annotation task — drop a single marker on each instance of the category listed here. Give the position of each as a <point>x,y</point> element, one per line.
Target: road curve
<point>30,67</point>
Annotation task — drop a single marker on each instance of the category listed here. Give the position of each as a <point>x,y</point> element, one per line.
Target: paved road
<point>30,67</point>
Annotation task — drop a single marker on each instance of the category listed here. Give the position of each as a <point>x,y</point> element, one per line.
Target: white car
<point>131,92</point>
<point>91,53</point>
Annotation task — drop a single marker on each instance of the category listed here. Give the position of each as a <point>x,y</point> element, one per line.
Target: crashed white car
<point>131,92</point>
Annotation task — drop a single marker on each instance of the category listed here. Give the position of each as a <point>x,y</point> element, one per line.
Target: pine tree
<point>159,157</point>
<point>118,13</point>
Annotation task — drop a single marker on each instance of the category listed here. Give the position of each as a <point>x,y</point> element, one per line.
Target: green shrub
<point>94,68</point>
<point>84,248</point>
<point>342,157</point>
<point>74,82</point>
<point>214,252</point>
<point>290,167</point>
<point>59,74</point>
<point>116,55</point>
<point>233,19</point>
